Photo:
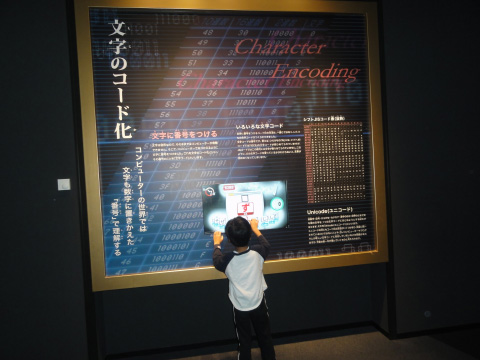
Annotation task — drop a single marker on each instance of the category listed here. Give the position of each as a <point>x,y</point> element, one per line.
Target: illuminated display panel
<point>193,114</point>
<point>264,201</point>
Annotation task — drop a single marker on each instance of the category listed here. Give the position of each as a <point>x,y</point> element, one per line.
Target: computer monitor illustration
<point>265,201</point>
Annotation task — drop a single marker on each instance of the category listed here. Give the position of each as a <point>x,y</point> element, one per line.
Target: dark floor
<point>360,343</point>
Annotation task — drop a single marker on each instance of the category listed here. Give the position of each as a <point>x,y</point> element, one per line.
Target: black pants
<point>260,320</point>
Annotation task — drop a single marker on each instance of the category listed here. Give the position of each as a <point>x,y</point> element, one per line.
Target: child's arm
<point>220,260</point>
<point>264,247</point>
<point>254,225</point>
<point>217,239</point>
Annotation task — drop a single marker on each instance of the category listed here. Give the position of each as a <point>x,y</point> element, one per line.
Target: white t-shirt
<point>245,274</point>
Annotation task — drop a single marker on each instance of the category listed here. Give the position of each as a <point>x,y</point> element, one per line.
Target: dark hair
<point>238,231</point>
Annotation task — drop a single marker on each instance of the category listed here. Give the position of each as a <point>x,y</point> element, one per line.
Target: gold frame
<point>91,164</point>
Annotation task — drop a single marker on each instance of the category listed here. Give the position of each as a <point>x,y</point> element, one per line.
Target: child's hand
<point>254,225</point>
<point>217,238</point>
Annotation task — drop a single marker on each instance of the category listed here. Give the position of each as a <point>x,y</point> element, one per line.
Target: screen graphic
<point>238,100</point>
<point>202,116</point>
<point>264,201</point>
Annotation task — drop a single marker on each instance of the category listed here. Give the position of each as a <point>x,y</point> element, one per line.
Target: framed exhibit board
<point>193,113</point>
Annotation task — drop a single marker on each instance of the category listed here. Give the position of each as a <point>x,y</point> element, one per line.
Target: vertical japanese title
<point>120,64</point>
<point>123,131</point>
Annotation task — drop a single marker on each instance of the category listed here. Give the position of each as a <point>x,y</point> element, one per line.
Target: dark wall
<point>432,113</point>
<point>43,300</point>
<point>195,313</point>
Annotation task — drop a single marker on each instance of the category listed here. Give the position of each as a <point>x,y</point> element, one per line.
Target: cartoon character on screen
<point>248,205</point>
<point>245,207</point>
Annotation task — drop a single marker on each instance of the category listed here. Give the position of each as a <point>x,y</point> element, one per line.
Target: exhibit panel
<point>194,114</point>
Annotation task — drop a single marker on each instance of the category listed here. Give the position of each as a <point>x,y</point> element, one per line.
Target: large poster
<point>203,115</point>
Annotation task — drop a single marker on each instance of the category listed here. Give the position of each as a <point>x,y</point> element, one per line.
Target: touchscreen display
<point>265,201</point>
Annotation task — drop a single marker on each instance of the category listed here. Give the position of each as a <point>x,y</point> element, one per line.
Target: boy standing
<point>244,270</point>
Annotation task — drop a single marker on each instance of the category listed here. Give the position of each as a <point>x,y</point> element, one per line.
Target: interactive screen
<point>264,201</point>
<point>194,116</point>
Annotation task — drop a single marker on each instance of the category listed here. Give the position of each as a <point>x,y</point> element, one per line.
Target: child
<point>244,270</point>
